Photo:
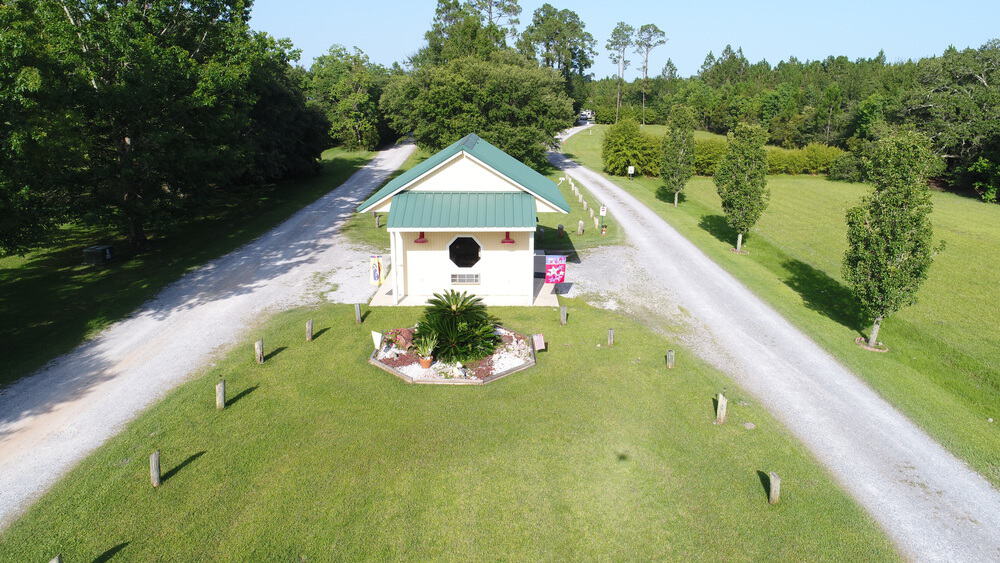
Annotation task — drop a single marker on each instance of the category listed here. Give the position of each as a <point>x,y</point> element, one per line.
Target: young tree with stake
<point>647,38</point>
<point>889,247</point>
<point>622,37</point>
<point>678,150</point>
<point>741,179</point>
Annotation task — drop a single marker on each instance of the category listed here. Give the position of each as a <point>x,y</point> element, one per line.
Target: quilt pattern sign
<point>555,269</point>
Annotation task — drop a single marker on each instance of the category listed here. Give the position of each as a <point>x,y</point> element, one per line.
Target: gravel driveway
<point>52,419</point>
<point>931,504</point>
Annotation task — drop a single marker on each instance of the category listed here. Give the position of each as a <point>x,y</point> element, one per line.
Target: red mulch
<point>401,360</point>
<point>481,369</point>
<point>402,337</point>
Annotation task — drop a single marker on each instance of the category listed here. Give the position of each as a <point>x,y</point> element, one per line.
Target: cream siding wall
<point>504,269</point>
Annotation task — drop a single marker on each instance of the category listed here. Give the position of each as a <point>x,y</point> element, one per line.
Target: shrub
<point>785,161</point>
<point>847,167</point>
<point>818,157</point>
<point>626,145</point>
<point>707,154</point>
<point>464,330</point>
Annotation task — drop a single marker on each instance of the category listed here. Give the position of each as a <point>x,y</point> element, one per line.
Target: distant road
<point>52,419</point>
<point>931,504</point>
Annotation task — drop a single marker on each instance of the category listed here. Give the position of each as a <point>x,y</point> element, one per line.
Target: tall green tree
<point>889,234</point>
<point>647,38</point>
<point>161,92</point>
<point>558,39</point>
<point>506,100</point>
<point>499,13</point>
<point>741,179</point>
<point>346,86</point>
<point>622,37</point>
<point>678,150</point>
<point>458,30</point>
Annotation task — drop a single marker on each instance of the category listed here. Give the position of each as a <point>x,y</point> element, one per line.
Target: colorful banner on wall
<point>555,269</point>
<point>376,273</point>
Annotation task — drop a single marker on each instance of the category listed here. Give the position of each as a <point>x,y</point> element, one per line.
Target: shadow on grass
<point>191,458</point>
<point>667,196</point>
<point>107,555</point>
<point>275,352</point>
<point>240,395</point>
<point>823,294</point>
<point>320,332</point>
<point>548,239</point>
<point>717,226</point>
<point>765,482</point>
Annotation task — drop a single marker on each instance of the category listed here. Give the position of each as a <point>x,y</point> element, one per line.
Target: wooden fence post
<point>773,488</point>
<point>597,223</point>
<point>670,359</point>
<point>154,468</point>
<point>579,227</point>
<point>258,351</point>
<point>378,221</point>
<point>309,330</point>
<point>56,559</point>
<point>220,394</point>
<point>611,337</point>
<point>357,313</point>
<point>562,315</point>
<point>561,230</point>
<point>720,409</point>
<point>584,205</point>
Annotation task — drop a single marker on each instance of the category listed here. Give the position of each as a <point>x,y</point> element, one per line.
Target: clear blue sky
<point>391,30</point>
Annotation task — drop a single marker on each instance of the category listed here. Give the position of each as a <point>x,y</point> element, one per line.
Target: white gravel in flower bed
<point>507,357</point>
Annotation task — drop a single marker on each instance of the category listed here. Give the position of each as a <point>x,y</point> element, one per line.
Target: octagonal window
<point>464,252</point>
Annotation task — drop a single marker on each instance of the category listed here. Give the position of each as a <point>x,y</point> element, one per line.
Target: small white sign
<point>377,339</point>
<point>631,170</point>
<point>604,211</point>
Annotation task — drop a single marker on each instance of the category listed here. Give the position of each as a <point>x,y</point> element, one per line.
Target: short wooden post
<point>357,313</point>
<point>720,409</point>
<point>378,221</point>
<point>309,330</point>
<point>773,488</point>
<point>562,315</point>
<point>154,468</point>
<point>220,394</point>
<point>597,223</point>
<point>584,205</point>
<point>258,351</point>
<point>561,230</point>
<point>611,337</point>
<point>56,559</point>
<point>670,359</point>
<point>591,211</point>
<point>579,227</point>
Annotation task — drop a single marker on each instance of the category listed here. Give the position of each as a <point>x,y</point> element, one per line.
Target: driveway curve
<point>53,418</point>
<point>932,505</point>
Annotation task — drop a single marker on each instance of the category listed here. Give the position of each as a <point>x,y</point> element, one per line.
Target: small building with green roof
<point>464,219</point>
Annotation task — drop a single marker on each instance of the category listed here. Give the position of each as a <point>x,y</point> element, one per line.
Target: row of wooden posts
<point>586,207</point>
<point>721,406</point>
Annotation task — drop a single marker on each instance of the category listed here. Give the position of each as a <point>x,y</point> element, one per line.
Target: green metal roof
<point>514,169</point>
<point>462,210</point>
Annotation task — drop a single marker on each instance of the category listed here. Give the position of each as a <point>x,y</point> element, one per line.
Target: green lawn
<point>361,227</point>
<point>597,453</point>
<point>943,369</point>
<point>51,302</point>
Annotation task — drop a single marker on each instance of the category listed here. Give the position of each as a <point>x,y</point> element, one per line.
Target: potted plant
<point>425,348</point>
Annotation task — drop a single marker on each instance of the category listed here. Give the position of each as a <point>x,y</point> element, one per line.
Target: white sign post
<point>604,211</point>
<point>631,172</point>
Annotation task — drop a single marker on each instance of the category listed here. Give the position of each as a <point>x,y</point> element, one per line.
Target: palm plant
<point>464,330</point>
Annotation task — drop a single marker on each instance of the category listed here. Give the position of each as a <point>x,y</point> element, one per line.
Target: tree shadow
<point>823,294</point>
<point>240,395</point>
<point>107,555</point>
<point>717,226</point>
<point>364,315</point>
<point>275,352</point>
<point>320,332</point>
<point>667,196</point>
<point>191,458</point>
<point>765,482</point>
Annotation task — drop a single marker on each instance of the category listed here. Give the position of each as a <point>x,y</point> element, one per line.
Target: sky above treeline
<point>392,30</point>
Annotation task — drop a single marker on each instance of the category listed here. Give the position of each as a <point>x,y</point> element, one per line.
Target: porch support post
<point>531,263</point>
<point>397,264</point>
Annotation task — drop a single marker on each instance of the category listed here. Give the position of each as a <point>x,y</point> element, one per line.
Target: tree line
<point>952,98</point>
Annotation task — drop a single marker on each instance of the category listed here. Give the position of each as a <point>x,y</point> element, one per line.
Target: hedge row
<point>814,158</point>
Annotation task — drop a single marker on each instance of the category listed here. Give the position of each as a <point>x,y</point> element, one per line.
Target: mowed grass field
<point>943,368</point>
<point>596,453</point>
<point>361,227</point>
<point>51,301</point>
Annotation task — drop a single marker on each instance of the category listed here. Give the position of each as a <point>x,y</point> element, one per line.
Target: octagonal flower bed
<point>397,356</point>
<point>456,341</point>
